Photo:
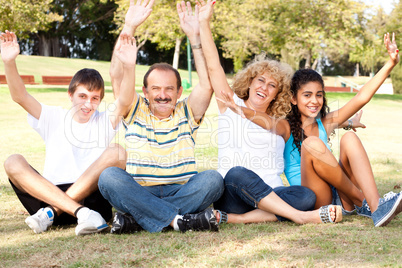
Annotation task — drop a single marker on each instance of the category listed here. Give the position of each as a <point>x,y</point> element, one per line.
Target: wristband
<point>196,46</point>
<point>350,125</point>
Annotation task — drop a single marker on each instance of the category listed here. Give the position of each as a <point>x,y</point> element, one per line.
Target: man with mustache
<point>161,187</point>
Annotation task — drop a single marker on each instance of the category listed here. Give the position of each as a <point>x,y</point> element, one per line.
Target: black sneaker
<point>124,224</point>
<point>204,220</point>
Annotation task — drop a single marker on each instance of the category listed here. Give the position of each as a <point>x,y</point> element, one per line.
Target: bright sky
<point>387,5</point>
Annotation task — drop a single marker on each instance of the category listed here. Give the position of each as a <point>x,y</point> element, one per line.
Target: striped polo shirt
<point>160,151</point>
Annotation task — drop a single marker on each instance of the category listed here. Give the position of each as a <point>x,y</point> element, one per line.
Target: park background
<point>334,37</point>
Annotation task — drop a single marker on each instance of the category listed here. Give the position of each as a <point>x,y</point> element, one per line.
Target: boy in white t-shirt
<point>75,140</point>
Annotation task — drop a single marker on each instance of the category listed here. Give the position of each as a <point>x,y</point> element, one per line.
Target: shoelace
<point>367,207</point>
<point>389,195</point>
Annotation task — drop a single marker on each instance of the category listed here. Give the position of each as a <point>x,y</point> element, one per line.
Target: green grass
<point>353,242</point>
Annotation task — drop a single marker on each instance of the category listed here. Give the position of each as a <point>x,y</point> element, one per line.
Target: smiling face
<point>309,100</point>
<point>263,89</point>
<point>162,92</point>
<point>84,103</point>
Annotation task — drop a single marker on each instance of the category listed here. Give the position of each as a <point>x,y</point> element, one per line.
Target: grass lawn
<point>353,242</point>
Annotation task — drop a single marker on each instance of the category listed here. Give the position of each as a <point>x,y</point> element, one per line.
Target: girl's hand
<point>392,48</point>
<point>127,50</point>
<point>9,46</point>
<point>228,101</point>
<point>205,9</point>
<point>356,121</point>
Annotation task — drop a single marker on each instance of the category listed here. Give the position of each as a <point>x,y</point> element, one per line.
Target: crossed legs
<point>27,180</point>
<point>352,176</point>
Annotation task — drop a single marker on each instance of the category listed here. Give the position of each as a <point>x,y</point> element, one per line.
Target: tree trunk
<point>177,53</point>
<point>315,63</point>
<point>357,70</point>
<point>44,45</point>
<point>308,61</point>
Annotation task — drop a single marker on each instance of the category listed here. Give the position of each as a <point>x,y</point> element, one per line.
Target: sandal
<point>325,214</point>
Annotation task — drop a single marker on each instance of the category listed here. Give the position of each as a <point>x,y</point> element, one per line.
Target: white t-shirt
<point>243,143</point>
<point>71,147</point>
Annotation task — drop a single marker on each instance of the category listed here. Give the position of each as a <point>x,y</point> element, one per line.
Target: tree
<point>85,31</point>
<point>24,17</point>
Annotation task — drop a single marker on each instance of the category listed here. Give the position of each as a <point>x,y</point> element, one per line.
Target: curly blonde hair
<point>281,72</point>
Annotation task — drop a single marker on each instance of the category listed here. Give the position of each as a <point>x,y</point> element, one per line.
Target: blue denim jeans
<point>244,189</point>
<point>154,207</point>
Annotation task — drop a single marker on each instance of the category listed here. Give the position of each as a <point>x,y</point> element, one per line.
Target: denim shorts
<point>336,200</point>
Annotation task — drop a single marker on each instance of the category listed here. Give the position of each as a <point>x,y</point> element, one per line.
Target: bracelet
<point>196,46</point>
<point>252,118</point>
<point>350,125</point>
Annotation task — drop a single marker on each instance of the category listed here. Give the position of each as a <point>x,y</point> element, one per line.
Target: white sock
<point>83,211</point>
<point>175,226</point>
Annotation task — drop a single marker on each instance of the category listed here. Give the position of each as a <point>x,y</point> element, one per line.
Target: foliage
<point>396,76</point>
<point>23,17</point>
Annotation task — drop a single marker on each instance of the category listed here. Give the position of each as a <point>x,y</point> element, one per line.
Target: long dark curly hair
<point>300,78</point>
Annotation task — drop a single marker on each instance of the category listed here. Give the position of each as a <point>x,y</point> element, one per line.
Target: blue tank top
<point>292,156</point>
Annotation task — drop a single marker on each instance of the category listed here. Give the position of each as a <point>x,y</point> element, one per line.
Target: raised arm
<point>333,119</point>
<point>137,13</point>
<point>9,52</point>
<point>126,52</point>
<point>216,74</point>
<point>200,96</point>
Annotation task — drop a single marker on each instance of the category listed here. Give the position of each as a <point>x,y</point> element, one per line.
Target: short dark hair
<point>89,78</point>
<point>164,67</point>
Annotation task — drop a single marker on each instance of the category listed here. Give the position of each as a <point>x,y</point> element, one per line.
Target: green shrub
<point>396,76</point>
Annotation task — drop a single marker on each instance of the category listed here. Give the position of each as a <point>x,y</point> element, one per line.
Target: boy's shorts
<point>95,201</point>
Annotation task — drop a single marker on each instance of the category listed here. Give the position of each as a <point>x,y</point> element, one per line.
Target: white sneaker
<point>41,220</point>
<point>89,222</point>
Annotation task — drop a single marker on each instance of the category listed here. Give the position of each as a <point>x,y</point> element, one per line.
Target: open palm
<point>127,50</point>
<point>138,13</point>
<point>9,46</point>
<point>391,47</point>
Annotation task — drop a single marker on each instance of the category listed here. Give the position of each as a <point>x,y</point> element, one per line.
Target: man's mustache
<point>165,99</point>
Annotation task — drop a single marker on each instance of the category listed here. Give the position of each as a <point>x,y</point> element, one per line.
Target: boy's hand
<point>138,13</point>
<point>392,48</point>
<point>9,46</point>
<point>127,50</point>
<point>188,21</point>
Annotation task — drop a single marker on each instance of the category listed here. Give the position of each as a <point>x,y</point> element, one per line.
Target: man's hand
<point>9,46</point>
<point>188,21</point>
<point>138,13</point>
<point>127,50</point>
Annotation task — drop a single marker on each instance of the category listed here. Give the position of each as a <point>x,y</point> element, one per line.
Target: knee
<point>115,156</point>
<point>237,174</point>
<point>107,177</point>
<point>14,164</point>
<point>313,144</point>
<point>214,180</point>
<point>349,139</point>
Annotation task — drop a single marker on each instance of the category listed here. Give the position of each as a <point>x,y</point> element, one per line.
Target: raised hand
<point>138,13</point>
<point>392,48</point>
<point>9,46</point>
<point>188,21</point>
<point>206,9</point>
<point>228,101</point>
<point>127,50</point>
